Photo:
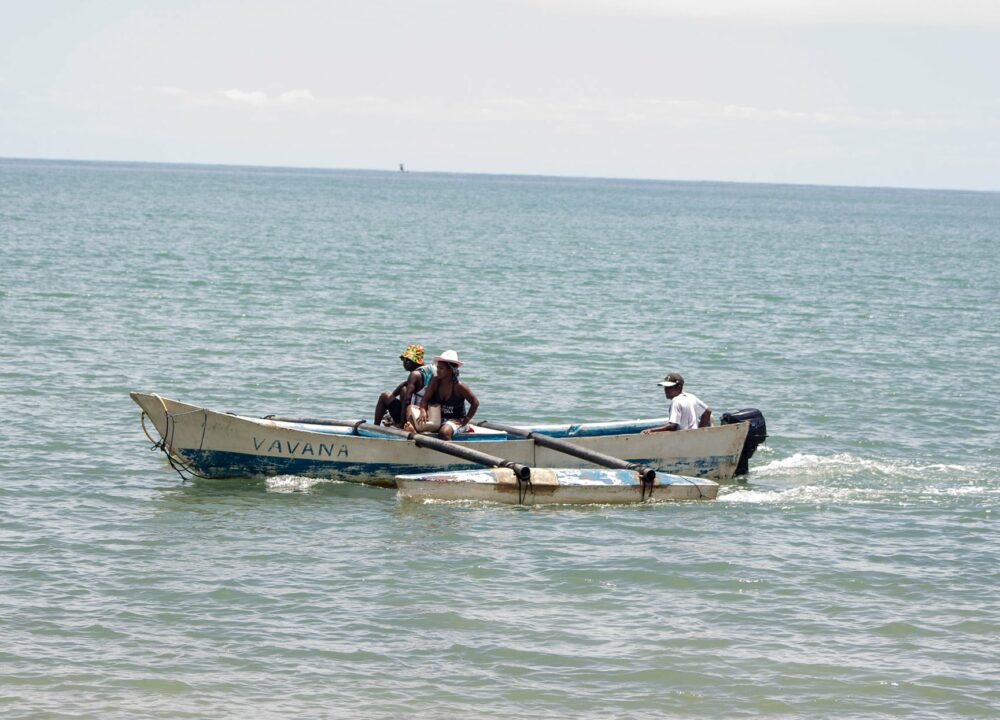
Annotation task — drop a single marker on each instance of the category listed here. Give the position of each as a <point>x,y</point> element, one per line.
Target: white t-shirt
<point>686,410</point>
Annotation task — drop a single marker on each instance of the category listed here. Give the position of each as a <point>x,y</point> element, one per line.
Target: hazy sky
<point>873,92</point>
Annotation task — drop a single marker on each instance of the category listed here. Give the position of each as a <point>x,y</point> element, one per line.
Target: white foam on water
<point>443,501</point>
<point>291,483</point>
<point>843,478</point>
<point>802,495</point>
<point>824,495</point>
<point>826,466</point>
<point>963,490</point>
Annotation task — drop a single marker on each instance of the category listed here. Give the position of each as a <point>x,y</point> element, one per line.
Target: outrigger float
<point>211,444</point>
<point>554,486</point>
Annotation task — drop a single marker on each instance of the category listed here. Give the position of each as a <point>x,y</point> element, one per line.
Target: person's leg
<point>383,403</point>
<point>412,413</point>
<point>396,411</point>
<point>447,430</point>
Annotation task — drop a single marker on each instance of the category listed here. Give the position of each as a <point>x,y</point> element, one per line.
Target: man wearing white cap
<point>687,412</point>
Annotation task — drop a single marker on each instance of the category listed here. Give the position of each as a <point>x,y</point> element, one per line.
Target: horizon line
<point>313,168</point>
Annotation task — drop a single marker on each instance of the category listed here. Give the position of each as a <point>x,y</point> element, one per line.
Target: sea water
<point>854,573</point>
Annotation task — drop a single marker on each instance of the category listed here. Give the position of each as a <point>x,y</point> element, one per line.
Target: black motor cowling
<point>755,435</point>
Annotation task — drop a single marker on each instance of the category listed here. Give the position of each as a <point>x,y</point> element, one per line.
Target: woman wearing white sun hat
<point>448,393</point>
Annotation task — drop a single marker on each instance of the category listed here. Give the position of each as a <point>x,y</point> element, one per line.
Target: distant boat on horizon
<point>401,168</point>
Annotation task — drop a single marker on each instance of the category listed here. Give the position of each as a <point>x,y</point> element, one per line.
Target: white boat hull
<point>215,444</point>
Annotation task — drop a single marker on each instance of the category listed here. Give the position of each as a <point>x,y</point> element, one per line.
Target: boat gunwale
<point>554,430</point>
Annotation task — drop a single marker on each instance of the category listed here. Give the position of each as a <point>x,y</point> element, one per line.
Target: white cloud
<point>257,98</point>
<point>768,115</point>
<point>920,12</point>
<point>252,97</point>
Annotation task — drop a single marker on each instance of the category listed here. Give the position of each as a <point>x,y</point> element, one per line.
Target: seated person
<point>687,412</point>
<point>407,393</point>
<point>451,394</point>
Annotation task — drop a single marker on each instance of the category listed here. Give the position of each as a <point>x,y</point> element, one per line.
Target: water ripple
<point>854,574</point>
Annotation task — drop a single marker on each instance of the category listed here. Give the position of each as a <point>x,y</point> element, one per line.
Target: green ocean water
<point>855,574</point>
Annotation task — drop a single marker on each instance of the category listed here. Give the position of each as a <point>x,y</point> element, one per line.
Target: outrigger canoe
<point>213,444</point>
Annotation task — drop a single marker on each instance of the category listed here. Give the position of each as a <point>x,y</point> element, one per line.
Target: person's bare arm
<point>408,388</point>
<point>669,427</point>
<point>425,402</point>
<point>473,401</point>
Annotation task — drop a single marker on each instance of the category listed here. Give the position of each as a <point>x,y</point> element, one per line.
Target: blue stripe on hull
<point>573,431</point>
<point>569,431</point>
<point>578,431</point>
<point>220,464</point>
<point>696,467</point>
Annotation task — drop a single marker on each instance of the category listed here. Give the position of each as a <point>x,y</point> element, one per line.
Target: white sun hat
<point>448,356</point>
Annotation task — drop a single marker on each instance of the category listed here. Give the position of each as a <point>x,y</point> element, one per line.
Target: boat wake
<point>816,467</point>
<point>844,478</point>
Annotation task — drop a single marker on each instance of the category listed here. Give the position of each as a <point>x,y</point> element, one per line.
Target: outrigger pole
<point>647,475</point>
<point>522,472</point>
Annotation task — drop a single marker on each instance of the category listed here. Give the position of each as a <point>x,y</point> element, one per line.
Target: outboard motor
<point>755,435</point>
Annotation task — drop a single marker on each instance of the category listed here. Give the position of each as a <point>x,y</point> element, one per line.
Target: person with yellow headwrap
<point>389,409</point>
